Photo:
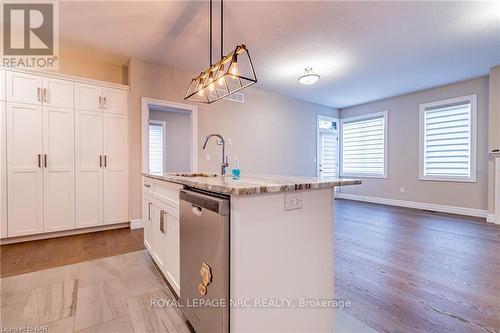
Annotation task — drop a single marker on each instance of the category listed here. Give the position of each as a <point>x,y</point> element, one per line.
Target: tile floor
<point>105,295</point>
<point>111,294</point>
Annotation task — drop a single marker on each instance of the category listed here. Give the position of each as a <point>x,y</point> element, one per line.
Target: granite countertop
<point>252,184</point>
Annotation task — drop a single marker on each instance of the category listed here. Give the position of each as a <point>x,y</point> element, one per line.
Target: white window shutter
<point>363,145</point>
<point>156,149</point>
<point>447,140</point>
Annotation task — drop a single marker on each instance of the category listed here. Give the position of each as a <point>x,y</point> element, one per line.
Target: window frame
<point>470,99</point>
<point>383,114</point>
<point>163,125</point>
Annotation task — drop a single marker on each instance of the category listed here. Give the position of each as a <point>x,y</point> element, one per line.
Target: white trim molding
<point>136,224</point>
<point>146,102</point>
<point>417,205</point>
<point>491,218</point>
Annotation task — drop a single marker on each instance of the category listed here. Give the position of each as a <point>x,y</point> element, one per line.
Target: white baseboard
<point>491,218</point>
<point>417,205</point>
<point>136,224</point>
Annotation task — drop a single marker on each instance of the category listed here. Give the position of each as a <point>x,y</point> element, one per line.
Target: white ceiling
<point>363,51</point>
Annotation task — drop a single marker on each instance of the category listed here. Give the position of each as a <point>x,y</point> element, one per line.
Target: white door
<point>3,172</point>
<point>58,93</point>
<point>328,148</point>
<point>58,166</point>
<point>24,167</point>
<point>88,97</point>
<point>172,241</point>
<point>89,168</point>
<point>23,88</point>
<point>115,100</point>
<point>115,168</point>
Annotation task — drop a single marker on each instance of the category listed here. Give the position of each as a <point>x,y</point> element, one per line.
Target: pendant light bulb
<point>220,81</point>
<point>234,66</point>
<point>211,80</point>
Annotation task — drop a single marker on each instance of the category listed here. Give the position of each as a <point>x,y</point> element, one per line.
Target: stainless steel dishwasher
<point>204,249</point>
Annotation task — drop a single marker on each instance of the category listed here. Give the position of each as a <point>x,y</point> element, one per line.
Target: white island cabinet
<point>281,251</point>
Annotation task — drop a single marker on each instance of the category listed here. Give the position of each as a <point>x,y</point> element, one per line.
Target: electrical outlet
<point>402,190</point>
<point>208,157</point>
<point>293,201</point>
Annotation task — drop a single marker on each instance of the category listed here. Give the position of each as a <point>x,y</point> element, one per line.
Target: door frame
<point>146,103</point>
<point>318,152</point>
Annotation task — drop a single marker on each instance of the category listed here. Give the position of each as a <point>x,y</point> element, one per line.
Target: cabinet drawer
<point>167,192</point>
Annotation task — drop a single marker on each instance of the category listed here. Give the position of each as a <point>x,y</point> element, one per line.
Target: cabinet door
<point>58,174</point>
<point>172,241</point>
<point>89,173</point>
<point>88,97</point>
<point>115,168</point>
<point>159,237</point>
<point>115,101</point>
<point>3,172</point>
<point>2,85</point>
<point>147,211</point>
<point>23,88</point>
<point>58,93</point>
<point>24,169</point>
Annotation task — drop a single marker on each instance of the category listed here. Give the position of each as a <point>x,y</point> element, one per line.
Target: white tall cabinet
<point>64,153</point>
<point>102,161</point>
<point>3,158</point>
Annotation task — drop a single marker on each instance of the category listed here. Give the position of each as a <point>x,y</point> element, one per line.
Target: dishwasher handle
<point>196,210</point>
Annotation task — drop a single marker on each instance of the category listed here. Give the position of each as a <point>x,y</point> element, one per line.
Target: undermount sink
<point>207,175</point>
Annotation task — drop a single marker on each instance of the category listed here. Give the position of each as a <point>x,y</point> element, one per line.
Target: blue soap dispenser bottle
<point>236,169</point>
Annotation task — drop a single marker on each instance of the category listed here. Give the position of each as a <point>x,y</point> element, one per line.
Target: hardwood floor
<point>48,253</point>
<point>406,270</point>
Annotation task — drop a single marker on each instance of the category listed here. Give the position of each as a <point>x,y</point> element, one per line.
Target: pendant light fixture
<point>231,73</point>
<point>308,77</point>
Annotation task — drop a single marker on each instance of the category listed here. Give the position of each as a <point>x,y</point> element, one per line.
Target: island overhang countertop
<point>251,184</point>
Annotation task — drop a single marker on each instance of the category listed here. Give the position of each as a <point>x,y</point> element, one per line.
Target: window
<point>156,146</point>
<point>364,146</point>
<point>448,140</point>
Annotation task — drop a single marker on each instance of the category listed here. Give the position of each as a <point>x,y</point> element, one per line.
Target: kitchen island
<point>281,255</point>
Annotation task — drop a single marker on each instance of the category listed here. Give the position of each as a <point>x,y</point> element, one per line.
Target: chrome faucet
<point>224,163</point>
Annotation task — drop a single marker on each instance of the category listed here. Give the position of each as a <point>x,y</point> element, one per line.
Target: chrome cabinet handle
<point>147,185</point>
<point>105,102</point>
<point>38,91</point>
<point>100,101</point>
<point>45,95</point>
<point>105,161</point>
<point>39,160</point>
<point>162,221</point>
<point>45,160</point>
<point>149,210</point>
<point>100,161</point>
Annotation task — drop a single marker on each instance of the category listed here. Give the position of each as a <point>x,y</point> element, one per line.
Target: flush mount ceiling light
<point>230,74</point>
<point>308,77</point>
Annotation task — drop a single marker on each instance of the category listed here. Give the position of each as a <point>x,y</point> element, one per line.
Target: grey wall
<point>178,139</point>
<point>270,133</point>
<point>403,149</point>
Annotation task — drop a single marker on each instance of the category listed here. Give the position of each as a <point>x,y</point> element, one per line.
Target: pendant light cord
<point>221,28</point>
<point>211,63</point>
